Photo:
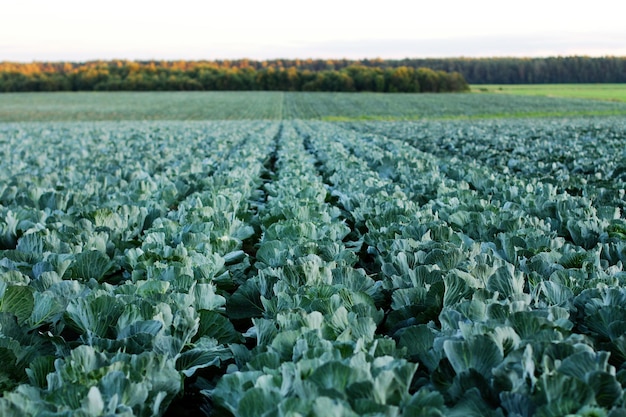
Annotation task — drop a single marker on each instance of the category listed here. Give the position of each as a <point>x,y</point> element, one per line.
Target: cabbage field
<point>299,267</point>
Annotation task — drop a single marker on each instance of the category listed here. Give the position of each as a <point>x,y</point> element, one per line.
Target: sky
<point>72,30</point>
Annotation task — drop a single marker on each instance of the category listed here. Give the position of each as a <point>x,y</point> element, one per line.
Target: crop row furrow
<point>507,211</point>
<point>137,290</point>
<point>470,311</point>
<point>312,311</point>
<point>581,156</point>
<point>564,198</point>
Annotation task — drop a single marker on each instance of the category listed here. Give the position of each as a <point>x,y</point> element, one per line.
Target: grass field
<point>95,106</point>
<point>606,92</point>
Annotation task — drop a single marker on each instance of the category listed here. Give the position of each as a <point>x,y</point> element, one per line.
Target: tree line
<point>406,75</point>
<point>503,70</point>
<point>223,75</point>
<point>551,70</point>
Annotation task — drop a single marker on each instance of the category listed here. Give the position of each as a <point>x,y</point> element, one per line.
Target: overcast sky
<point>74,30</point>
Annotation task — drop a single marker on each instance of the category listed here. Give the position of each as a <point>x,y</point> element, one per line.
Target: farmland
<point>311,254</point>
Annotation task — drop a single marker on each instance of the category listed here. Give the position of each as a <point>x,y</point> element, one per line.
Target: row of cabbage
<point>580,219</point>
<point>501,309</point>
<point>314,313</point>
<point>509,213</point>
<point>584,156</point>
<point>119,245</point>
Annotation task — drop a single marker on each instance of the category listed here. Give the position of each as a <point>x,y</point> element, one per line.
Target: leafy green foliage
<point>304,268</point>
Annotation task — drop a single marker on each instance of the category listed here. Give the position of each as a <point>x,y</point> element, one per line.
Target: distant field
<point>89,106</point>
<point>608,92</point>
<point>388,107</point>
<point>249,105</point>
